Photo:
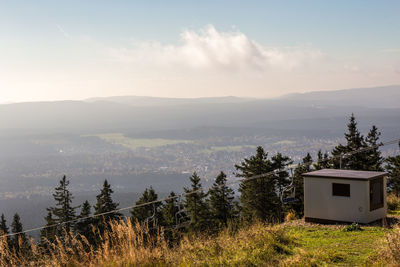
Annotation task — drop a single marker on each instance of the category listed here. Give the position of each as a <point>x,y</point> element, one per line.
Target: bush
<point>290,216</point>
<point>352,228</point>
<point>393,202</point>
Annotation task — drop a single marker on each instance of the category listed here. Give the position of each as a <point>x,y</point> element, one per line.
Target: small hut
<point>344,196</point>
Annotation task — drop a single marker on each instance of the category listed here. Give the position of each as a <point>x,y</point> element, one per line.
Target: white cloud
<point>202,63</point>
<point>352,68</point>
<point>211,49</point>
<point>62,31</point>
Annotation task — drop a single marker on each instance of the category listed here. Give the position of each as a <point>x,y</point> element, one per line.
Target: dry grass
<point>256,245</point>
<point>293,243</point>
<point>123,244</point>
<point>290,216</point>
<point>393,242</point>
<point>128,245</point>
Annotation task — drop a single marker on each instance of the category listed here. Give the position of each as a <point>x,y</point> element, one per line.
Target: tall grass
<point>393,242</point>
<point>127,244</point>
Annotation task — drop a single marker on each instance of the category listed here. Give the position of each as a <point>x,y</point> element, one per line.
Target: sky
<point>58,50</point>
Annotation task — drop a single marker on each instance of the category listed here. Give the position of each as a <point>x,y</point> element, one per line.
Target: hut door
<point>376,194</point>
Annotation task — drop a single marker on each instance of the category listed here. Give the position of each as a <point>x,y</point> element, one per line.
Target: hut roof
<point>345,174</point>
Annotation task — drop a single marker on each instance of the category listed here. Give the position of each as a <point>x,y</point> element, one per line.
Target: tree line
<point>216,208</point>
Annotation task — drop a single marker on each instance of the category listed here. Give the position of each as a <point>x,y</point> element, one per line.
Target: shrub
<point>393,202</point>
<point>352,227</point>
<point>290,216</point>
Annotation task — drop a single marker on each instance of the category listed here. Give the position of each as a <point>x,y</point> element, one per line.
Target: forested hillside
<point>195,227</point>
<point>134,142</point>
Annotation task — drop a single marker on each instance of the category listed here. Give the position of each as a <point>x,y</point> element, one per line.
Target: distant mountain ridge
<point>121,114</point>
<point>373,97</point>
<point>166,101</point>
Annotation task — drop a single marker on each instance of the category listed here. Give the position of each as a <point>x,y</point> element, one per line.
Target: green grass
<point>331,246</point>
<point>292,244</point>
<point>394,212</point>
<point>135,143</point>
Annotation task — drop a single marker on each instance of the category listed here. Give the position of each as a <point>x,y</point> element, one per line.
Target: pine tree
<point>374,155</point>
<point>280,162</point>
<point>355,141</point>
<point>222,206</point>
<point>322,161</point>
<point>196,205</point>
<point>169,211</point>
<point>19,242</point>
<point>3,227</point>
<point>85,224</point>
<point>63,211</point>
<point>298,182</point>
<point>149,214</point>
<point>259,199</point>
<point>85,211</point>
<point>393,168</point>
<point>105,204</point>
<point>49,233</point>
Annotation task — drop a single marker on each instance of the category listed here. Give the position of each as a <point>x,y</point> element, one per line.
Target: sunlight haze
<point>78,50</point>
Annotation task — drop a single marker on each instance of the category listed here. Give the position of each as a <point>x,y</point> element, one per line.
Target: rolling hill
<point>142,114</point>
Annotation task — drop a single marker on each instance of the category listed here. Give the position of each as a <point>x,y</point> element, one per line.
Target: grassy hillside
<point>294,243</point>
<point>333,245</point>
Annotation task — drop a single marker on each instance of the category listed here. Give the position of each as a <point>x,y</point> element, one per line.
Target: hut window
<point>342,190</point>
<point>376,194</point>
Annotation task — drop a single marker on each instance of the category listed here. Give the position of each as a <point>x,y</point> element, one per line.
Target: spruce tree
<point>222,206</point>
<point>19,241</point>
<point>150,213</point>
<point>169,211</point>
<point>393,168</point>
<point>374,155</point>
<point>105,204</point>
<point>49,233</point>
<point>322,161</point>
<point>259,199</point>
<point>63,211</point>
<point>3,227</point>
<point>281,177</point>
<point>280,162</point>
<point>85,211</point>
<point>355,141</point>
<point>85,224</point>
<point>196,205</point>
<point>298,182</point>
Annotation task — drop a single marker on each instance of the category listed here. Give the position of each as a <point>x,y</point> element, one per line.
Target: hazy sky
<point>52,50</point>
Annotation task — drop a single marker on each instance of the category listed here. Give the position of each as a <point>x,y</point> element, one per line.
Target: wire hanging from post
<point>288,193</point>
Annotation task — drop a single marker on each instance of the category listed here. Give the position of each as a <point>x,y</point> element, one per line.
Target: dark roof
<point>345,174</point>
